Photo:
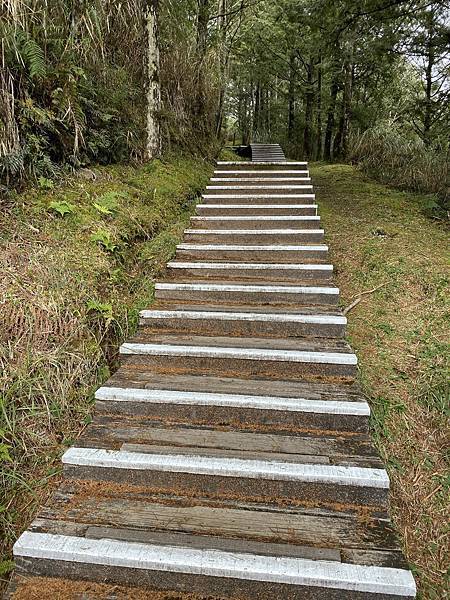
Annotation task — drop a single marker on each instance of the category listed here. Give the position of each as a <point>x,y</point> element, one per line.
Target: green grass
<point>382,240</point>
<point>80,260</point>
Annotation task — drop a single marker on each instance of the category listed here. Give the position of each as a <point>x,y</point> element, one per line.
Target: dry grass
<point>379,237</point>
<point>67,301</point>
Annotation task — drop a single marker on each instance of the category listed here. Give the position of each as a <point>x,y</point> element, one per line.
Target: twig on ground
<point>358,297</point>
<point>352,305</point>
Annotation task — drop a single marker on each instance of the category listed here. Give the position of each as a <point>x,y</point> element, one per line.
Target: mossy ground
<point>78,262</point>
<point>380,238</point>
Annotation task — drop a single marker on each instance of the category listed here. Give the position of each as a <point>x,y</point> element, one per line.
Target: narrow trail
<point>229,455</point>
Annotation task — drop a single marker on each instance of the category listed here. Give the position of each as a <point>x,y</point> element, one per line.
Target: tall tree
<point>153,146</point>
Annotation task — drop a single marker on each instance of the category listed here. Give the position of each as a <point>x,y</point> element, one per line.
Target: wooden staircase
<point>229,456</point>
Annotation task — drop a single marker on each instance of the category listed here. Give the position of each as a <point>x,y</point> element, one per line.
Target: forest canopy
<point>363,81</point>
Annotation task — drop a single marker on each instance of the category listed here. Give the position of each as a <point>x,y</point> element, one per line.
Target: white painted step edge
<point>217,563</point>
<point>273,232</point>
<point>227,467</point>
<point>236,196</point>
<point>267,248</point>
<point>258,179</point>
<point>258,218</point>
<point>258,206</point>
<point>264,172</point>
<point>259,354</point>
<point>249,266</point>
<point>302,405</point>
<point>262,162</point>
<point>243,316</point>
<point>270,289</point>
<point>258,187</point>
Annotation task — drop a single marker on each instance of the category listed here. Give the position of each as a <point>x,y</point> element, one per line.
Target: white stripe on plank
<point>302,405</point>
<point>235,247</point>
<point>269,289</point>
<point>249,266</point>
<point>255,195</point>
<point>258,206</point>
<point>273,232</point>
<point>262,162</point>
<point>217,563</point>
<point>244,316</point>
<point>256,172</point>
<point>257,187</point>
<point>259,218</point>
<point>183,462</point>
<point>266,179</point>
<point>258,354</point>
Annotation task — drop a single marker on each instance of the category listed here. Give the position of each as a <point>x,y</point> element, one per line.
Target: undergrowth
<point>78,262</point>
<point>385,153</point>
<point>383,244</point>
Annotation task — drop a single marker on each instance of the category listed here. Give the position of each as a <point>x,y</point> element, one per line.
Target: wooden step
<point>262,209</point>
<point>316,272</point>
<point>206,569</point>
<point>256,222</point>
<point>115,432</point>
<point>254,236</point>
<point>247,293</point>
<point>265,179</point>
<point>258,189</point>
<point>244,323</point>
<point>163,467</point>
<point>262,174</point>
<point>259,197</point>
<point>259,357</point>
<point>268,405</point>
<point>261,166</point>
<point>307,200</point>
<point>327,534</point>
<point>256,253</point>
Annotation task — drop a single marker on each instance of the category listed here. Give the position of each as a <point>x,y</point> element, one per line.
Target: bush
<point>388,154</point>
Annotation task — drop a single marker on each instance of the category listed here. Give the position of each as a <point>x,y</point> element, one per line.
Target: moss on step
<point>78,262</point>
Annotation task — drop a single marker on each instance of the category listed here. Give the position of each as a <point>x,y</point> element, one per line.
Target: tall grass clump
<point>389,155</point>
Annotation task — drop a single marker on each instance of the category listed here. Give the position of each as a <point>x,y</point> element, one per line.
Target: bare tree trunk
<point>330,118</point>
<point>153,147</point>
<point>257,112</point>
<point>309,104</point>
<point>319,110</point>
<point>430,60</point>
<point>223,63</point>
<point>341,139</point>
<point>291,98</point>
<point>203,16</point>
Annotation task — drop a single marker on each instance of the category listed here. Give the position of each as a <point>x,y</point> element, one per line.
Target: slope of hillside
<point>392,260</point>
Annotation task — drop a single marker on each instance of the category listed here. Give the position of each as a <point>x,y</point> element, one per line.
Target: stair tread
<point>328,345</point>
<point>113,432</point>
<point>130,549</point>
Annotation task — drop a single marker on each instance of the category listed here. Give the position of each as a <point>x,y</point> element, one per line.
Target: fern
<point>31,54</point>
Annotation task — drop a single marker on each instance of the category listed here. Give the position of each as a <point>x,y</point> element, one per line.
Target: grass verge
<point>380,240</point>
<point>78,262</point>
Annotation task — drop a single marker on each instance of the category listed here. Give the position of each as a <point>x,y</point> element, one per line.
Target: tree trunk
<point>257,112</point>
<point>341,139</point>
<point>430,59</point>
<point>330,118</point>
<point>319,149</point>
<point>291,98</point>
<point>223,63</point>
<point>153,147</point>
<point>309,104</point>
<point>201,50</point>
